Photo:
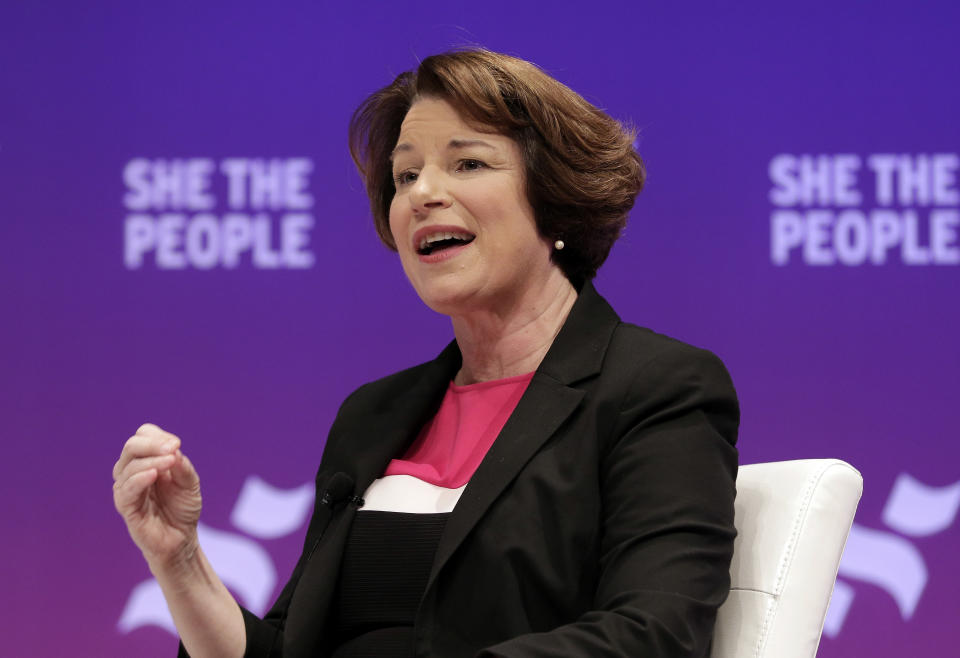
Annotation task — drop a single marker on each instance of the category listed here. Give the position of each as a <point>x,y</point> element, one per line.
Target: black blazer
<point>600,523</point>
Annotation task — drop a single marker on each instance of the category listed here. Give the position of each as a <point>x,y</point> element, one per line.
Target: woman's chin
<point>449,297</point>
<point>448,304</point>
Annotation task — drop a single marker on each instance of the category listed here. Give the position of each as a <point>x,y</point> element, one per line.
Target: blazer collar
<point>385,417</point>
<point>576,354</point>
<point>389,418</point>
<point>578,350</point>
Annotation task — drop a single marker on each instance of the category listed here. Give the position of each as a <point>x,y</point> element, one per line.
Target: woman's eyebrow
<point>402,147</point>
<point>464,143</point>
<point>453,144</point>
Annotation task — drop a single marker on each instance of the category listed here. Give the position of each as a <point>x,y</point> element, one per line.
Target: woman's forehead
<point>437,119</point>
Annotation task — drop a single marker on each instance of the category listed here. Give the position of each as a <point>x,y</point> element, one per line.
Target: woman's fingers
<point>149,441</point>
<point>128,494</point>
<point>148,457</point>
<point>183,473</point>
<point>149,429</point>
<point>160,462</point>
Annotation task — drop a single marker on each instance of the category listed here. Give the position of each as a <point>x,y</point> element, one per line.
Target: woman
<point>556,482</point>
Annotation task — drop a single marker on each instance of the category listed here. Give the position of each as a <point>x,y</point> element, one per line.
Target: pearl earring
<point>558,245</point>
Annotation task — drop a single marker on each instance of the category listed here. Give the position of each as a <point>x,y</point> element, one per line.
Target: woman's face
<point>460,218</point>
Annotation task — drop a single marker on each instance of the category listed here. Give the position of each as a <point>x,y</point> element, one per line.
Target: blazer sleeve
<point>668,481</point>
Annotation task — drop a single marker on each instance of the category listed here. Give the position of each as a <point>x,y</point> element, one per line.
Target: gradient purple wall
<point>248,365</point>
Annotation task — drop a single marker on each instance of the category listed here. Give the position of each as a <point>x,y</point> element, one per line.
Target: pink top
<point>452,445</point>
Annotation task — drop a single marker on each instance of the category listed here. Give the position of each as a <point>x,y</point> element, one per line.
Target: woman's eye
<point>404,178</point>
<point>470,165</point>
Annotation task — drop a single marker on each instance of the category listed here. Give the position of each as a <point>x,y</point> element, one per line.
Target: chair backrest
<point>792,520</point>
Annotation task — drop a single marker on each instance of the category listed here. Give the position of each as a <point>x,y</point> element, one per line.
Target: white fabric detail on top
<point>406,493</point>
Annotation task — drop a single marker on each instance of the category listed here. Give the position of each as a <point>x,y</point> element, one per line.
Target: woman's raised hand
<point>157,492</point>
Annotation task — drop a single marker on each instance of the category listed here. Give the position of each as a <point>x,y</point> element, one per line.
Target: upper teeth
<point>437,237</point>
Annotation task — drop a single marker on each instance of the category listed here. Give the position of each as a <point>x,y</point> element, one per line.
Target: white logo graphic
<point>262,511</point>
<point>887,560</point>
<point>177,220</point>
<point>841,209</point>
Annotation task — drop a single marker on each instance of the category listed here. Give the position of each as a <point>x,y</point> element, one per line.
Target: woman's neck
<point>512,339</point>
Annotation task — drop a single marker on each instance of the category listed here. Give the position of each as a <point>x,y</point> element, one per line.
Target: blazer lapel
<point>388,419</point>
<point>576,354</point>
<point>371,429</point>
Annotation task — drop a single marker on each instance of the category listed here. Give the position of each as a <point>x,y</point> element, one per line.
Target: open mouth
<point>439,241</point>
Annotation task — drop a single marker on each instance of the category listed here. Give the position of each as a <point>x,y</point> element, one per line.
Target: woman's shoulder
<point>661,375</point>
<point>643,348</point>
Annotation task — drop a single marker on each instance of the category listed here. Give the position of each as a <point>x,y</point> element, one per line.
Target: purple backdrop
<point>184,240</point>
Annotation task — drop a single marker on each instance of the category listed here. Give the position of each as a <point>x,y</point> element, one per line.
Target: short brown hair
<point>582,172</point>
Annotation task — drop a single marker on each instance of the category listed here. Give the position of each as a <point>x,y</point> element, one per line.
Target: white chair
<point>792,520</point>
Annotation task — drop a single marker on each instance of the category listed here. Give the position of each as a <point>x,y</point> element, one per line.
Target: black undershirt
<point>383,575</point>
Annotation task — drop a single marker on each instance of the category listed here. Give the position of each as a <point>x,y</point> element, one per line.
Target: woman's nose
<point>429,191</point>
